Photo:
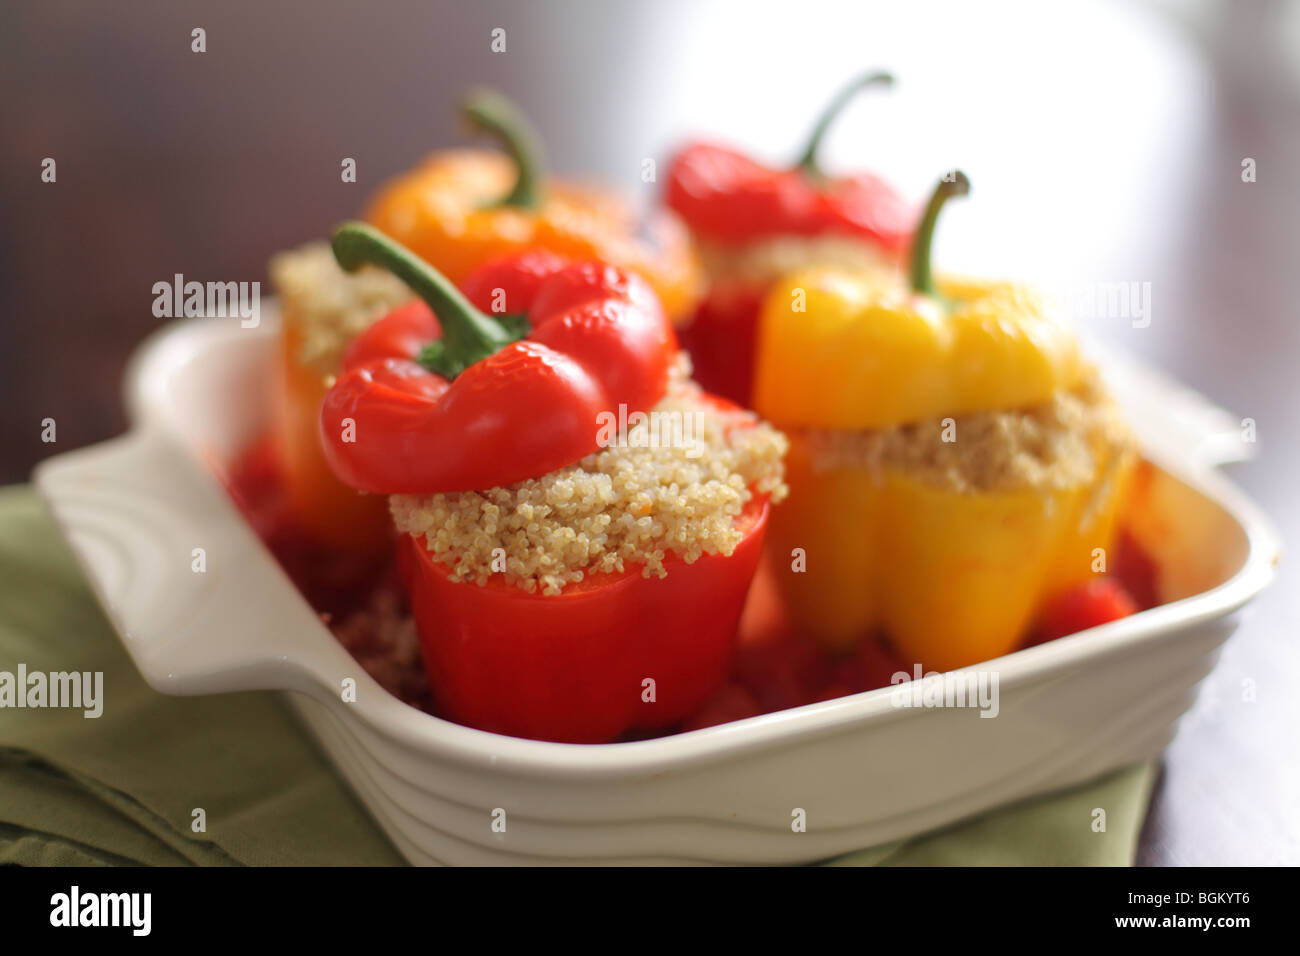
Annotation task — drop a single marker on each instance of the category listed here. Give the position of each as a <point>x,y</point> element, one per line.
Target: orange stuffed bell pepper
<point>322,310</point>
<point>461,208</point>
<point>458,210</point>
<point>580,523</point>
<point>954,463</point>
<point>753,224</point>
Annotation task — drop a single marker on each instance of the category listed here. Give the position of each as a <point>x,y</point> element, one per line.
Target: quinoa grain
<point>329,306</point>
<point>625,506</point>
<point>1059,444</point>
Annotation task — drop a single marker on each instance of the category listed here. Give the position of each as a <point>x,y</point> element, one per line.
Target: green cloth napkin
<point>122,788</point>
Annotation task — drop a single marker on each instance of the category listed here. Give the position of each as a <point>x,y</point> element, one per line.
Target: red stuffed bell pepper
<point>571,579</point>
<point>752,224</point>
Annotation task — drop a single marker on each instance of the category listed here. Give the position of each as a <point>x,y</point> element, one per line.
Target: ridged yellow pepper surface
<point>953,576</point>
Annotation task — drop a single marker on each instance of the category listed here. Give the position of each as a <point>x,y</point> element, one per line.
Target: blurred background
<point>1105,142</point>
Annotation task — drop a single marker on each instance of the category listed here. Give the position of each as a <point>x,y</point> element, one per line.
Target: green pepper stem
<point>487,111</point>
<point>468,335</point>
<point>808,159</point>
<point>954,183</point>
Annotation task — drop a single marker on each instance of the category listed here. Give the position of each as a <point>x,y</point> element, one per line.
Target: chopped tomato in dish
<point>1088,605</point>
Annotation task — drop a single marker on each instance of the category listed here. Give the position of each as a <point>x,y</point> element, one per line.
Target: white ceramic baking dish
<point>862,770</point>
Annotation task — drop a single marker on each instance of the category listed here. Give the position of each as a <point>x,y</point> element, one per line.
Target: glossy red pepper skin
<point>725,196</point>
<point>722,340</point>
<point>572,667</point>
<point>598,339</point>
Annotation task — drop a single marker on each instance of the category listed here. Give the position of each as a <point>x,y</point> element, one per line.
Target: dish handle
<point>201,605</point>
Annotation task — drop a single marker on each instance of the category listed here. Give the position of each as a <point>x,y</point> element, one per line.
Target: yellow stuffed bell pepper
<point>954,462</point>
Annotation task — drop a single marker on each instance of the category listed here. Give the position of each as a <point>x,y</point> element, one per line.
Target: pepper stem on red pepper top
<point>489,112</point>
<point>954,183</point>
<point>808,158</point>
<point>468,335</point>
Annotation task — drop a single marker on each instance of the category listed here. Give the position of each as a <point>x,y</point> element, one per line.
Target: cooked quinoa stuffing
<point>621,507</point>
<point>1059,444</point>
<point>330,306</point>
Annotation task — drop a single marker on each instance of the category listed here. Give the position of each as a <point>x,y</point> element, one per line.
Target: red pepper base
<point>571,667</point>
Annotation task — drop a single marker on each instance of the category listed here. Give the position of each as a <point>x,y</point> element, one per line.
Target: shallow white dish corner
<point>864,770</point>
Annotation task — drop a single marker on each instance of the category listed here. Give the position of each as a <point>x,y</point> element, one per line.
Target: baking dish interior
<point>1197,543</point>
<point>209,383</point>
